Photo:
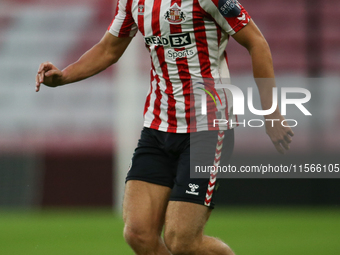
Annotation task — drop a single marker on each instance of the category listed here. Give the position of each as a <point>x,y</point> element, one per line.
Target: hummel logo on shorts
<point>193,187</point>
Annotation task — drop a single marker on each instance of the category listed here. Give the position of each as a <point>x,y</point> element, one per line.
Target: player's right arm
<point>98,58</point>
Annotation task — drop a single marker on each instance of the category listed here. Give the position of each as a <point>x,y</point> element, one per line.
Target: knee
<point>139,238</point>
<point>181,243</point>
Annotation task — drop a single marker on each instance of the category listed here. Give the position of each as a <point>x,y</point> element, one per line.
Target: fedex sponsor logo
<point>175,41</point>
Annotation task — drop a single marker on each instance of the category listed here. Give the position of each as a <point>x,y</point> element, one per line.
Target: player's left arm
<point>252,39</point>
<point>102,55</point>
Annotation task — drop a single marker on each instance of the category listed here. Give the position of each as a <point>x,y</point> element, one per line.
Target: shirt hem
<point>183,130</point>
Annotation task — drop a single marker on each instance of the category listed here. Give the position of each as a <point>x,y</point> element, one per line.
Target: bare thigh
<point>185,222</point>
<point>144,207</point>
<point>184,227</point>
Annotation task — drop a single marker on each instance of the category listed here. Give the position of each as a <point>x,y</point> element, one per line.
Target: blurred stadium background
<point>64,152</point>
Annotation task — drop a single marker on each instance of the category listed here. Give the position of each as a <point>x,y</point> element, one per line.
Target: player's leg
<point>184,231</point>
<point>144,210</point>
<point>147,191</point>
<point>192,198</point>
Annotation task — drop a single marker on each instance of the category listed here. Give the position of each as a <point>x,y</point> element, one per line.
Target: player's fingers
<point>41,76</point>
<point>279,148</point>
<point>285,144</point>
<point>51,73</point>
<point>37,79</point>
<point>45,66</point>
<point>288,139</point>
<point>41,66</point>
<point>37,83</point>
<point>290,132</point>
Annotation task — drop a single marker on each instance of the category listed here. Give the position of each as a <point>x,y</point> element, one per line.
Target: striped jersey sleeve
<point>123,24</point>
<point>228,14</point>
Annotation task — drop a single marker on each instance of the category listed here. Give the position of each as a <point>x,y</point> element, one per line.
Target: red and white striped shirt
<point>186,41</point>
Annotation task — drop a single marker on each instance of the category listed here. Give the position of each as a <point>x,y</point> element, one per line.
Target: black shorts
<point>164,158</point>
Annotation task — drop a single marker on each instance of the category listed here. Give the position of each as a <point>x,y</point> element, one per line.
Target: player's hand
<point>49,75</point>
<point>281,136</point>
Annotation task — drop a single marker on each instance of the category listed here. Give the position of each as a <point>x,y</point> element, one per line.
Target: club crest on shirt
<point>141,9</point>
<point>174,15</point>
